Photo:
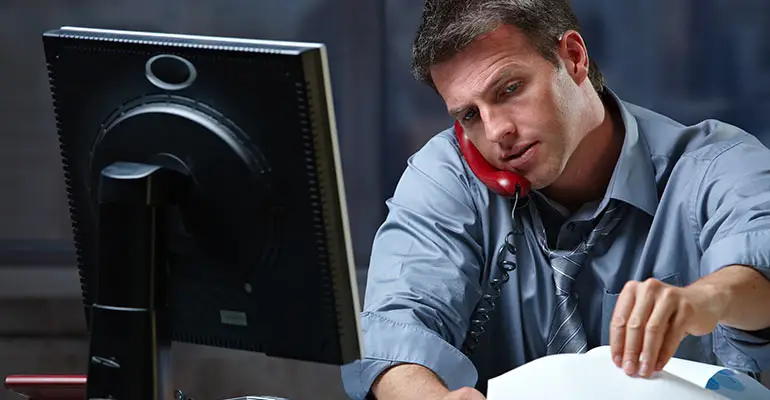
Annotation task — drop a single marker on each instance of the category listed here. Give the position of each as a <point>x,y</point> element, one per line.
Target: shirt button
<point>570,226</point>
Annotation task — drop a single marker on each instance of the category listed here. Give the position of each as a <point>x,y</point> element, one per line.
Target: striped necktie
<point>567,334</point>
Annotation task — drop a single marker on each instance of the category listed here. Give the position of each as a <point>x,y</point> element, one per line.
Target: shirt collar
<point>633,180</point>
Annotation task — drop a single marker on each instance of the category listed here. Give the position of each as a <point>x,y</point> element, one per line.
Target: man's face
<point>520,111</point>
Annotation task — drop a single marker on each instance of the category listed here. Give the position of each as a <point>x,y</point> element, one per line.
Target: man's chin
<point>542,176</point>
<point>539,183</point>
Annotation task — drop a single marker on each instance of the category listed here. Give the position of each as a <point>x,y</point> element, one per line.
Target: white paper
<point>729,383</point>
<point>695,372</point>
<point>576,376</point>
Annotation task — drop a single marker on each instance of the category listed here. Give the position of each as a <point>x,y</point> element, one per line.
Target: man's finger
<point>671,341</point>
<point>656,329</point>
<point>635,328</point>
<point>623,308</point>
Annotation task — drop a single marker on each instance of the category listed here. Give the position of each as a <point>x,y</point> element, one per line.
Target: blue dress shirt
<point>699,200</point>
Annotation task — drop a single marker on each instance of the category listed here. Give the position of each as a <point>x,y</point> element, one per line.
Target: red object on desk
<point>48,387</point>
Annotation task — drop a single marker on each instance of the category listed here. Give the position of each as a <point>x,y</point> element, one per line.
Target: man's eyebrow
<point>456,111</point>
<point>503,75</point>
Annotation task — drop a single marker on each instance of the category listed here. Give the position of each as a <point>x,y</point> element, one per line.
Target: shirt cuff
<point>388,343</point>
<point>736,348</point>
<point>748,248</point>
<point>741,350</point>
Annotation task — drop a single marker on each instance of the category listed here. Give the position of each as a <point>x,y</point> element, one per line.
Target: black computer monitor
<point>207,200</point>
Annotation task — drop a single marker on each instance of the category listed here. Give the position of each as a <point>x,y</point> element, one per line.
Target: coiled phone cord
<point>487,305</point>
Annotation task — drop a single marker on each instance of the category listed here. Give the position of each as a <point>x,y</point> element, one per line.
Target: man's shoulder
<point>440,155</point>
<point>442,145</point>
<point>440,160</point>
<point>703,141</point>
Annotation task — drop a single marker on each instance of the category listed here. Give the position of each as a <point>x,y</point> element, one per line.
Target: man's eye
<point>512,88</point>
<point>469,115</point>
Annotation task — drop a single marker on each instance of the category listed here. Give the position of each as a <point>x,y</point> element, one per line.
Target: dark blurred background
<point>690,59</point>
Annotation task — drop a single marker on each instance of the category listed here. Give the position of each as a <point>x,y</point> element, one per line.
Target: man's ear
<point>573,52</point>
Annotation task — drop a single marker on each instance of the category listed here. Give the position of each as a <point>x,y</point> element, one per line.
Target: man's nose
<point>498,124</point>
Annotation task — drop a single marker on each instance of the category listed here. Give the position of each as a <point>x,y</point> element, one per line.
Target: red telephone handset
<point>504,183</point>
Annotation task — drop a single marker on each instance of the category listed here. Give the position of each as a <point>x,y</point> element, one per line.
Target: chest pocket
<point>610,299</point>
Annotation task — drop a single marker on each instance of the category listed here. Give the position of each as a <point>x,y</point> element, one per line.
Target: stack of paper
<point>594,376</point>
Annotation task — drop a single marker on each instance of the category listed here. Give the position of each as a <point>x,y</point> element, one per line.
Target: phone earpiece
<point>504,183</point>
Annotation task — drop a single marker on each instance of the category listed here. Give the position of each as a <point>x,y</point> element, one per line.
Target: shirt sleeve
<point>423,279</point>
<point>733,211</point>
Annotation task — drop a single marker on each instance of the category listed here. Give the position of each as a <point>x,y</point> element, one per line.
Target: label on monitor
<point>228,317</point>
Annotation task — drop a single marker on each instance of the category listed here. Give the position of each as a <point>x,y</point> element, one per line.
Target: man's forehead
<point>505,40</point>
<point>498,55</point>
<point>504,37</point>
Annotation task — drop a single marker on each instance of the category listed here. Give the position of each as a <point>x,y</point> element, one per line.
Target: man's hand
<point>651,318</point>
<point>466,393</point>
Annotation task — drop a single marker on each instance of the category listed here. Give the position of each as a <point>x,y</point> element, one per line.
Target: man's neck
<point>589,170</point>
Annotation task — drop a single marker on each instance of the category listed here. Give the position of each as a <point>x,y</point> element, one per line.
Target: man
<point>672,222</point>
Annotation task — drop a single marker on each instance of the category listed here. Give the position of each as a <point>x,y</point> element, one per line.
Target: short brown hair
<point>448,26</point>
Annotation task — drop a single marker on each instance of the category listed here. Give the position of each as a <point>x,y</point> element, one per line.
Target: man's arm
<point>415,382</point>
<point>409,382</point>
<point>731,212</point>
<point>741,295</point>
<point>423,280</point>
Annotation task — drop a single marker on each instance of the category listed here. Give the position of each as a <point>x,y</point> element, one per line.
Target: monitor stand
<point>130,338</point>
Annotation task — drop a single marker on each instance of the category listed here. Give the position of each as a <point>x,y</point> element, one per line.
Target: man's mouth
<point>519,153</point>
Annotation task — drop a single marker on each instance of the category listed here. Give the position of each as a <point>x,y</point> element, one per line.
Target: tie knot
<point>566,264</point>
